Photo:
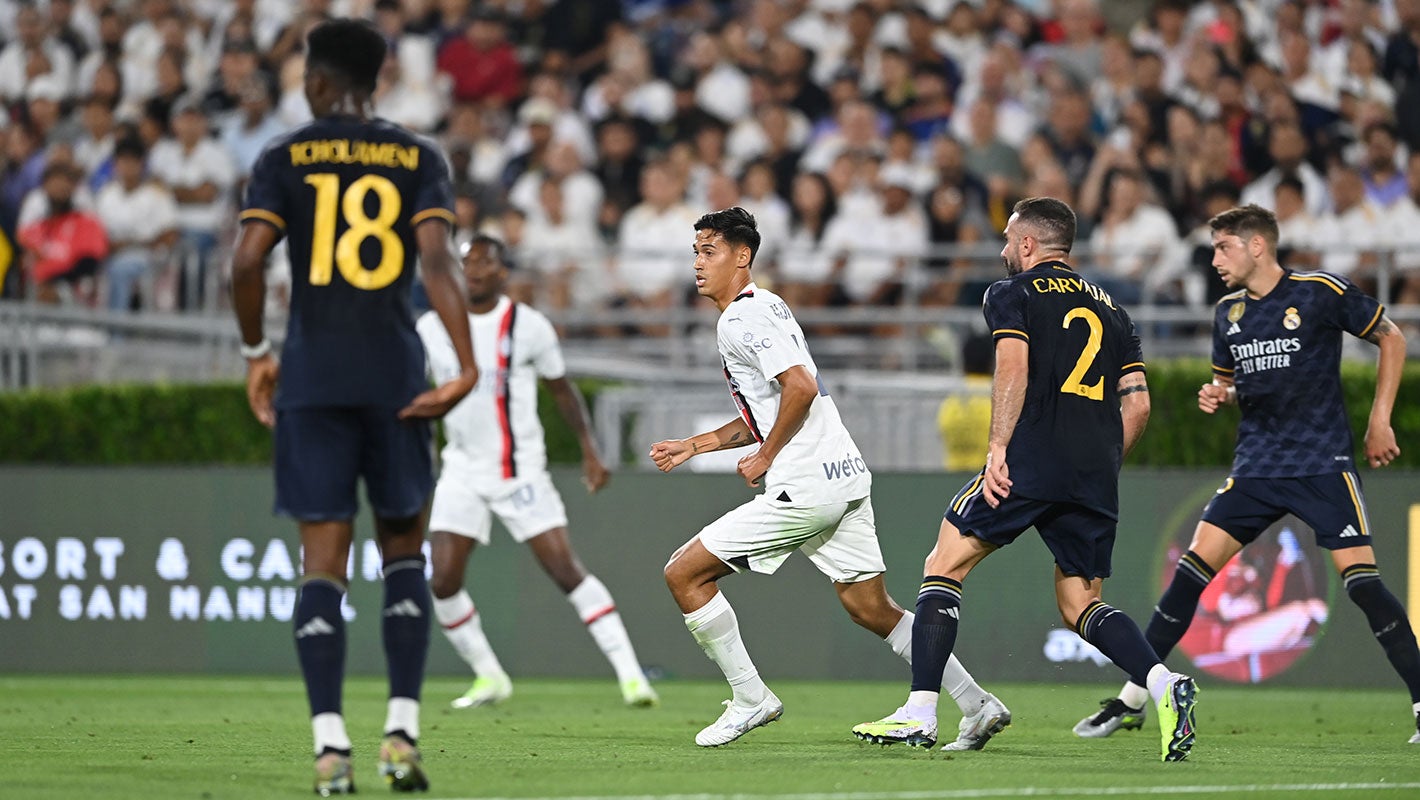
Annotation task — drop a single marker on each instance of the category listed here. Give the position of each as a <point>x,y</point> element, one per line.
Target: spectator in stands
<point>650,248</point>
<point>1296,227</point>
<point>804,265</point>
<point>721,87</point>
<point>33,54</point>
<point>930,112</point>
<point>618,168</point>
<point>582,191</point>
<point>1078,53</point>
<point>484,68</point>
<point>787,65</point>
<point>236,66</point>
<point>565,251</point>
<point>999,84</point>
<point>94,144</point>
<point>140,217</point>
<point>578,42</point>
<point>1287,147</point>
<point>758,197</point>
<point>1135,247</point>
<point>253,127</point>
<point>467,127</point>
<point>874,250</point>
<point>1403,236</point>
<point>42,108</point>
<point>35,205</point>
<point>1348,233</point>
<point>537,116</point>
<point>857,132</point>
<point>199,172</point>
<point>1068,133</point>
<point>1385,183</point>
<point>64,249</point>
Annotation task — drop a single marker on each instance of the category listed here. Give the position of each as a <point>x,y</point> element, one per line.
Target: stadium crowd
<point>880,143</point>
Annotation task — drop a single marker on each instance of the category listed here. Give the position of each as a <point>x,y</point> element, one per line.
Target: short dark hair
<point>736,225</point>
<point>131,147</point>
<point>350,48</point>
<point>500,250</point>
<point>1053,218</point>
<point>1246,222</point>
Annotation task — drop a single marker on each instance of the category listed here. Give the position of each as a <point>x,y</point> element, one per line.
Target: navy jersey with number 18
<point>347,194</point>
<point>1069,441</point>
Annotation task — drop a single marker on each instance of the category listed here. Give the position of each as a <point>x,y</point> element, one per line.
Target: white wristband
<point>257,350</point>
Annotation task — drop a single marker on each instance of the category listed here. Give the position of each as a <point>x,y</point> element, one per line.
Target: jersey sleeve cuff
<point>1009,333</point>
<point>1137,366</point>
<point>1223,371</point>
<point>262,215</point>
<point>433,213</point>
<point>1366,331</point>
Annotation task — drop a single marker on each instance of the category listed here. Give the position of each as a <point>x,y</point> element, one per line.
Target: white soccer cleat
<point>736,721</point>
<point>976,730</point>
<point>638,693</point>
<point>1416,738</point>
<point>486,691</point>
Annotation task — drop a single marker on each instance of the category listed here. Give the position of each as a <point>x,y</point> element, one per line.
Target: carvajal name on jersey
<point>1264,354</point>
<point>344,151</point>
<point>1069,285</point>
<point>850,465</point>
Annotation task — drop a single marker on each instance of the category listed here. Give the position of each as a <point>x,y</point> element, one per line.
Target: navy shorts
<point>1080,538</point>
<point>321,452</point>
<point>1331,504</point>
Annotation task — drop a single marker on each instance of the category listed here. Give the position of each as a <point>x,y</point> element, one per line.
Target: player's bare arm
<point>437,264</point>
<point>574,412</point>
<point>672,453</point>
<point>1134,405</point>
<point>798,388</point>
<point>254,243</point>
<point>1008,396</point>
<point>1381,447</point>
<point>1212,396</point>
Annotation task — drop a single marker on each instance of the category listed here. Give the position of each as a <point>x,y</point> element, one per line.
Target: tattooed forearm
<point>736,439</point>
<point>1383,329</point>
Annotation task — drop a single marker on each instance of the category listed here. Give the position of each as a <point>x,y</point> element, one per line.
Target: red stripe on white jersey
<point>505,356</point>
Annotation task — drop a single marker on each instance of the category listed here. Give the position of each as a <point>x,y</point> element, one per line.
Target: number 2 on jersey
<point>344,252</point>
<point>1074,384</point>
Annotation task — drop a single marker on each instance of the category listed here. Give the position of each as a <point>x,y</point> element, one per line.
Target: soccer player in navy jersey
<point>1068,401</point>
<point>1277,356</point>
<point>356,199</point>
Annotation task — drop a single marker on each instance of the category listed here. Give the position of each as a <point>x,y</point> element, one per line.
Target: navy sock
<point>934,631</point>
<point>1388,622</point>
<point>1174,613</point>
<point>320,643</point>
<point>1116,635</point>
<point>406,625</point>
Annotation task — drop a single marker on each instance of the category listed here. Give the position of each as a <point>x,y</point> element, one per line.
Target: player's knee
<point>445,583</point>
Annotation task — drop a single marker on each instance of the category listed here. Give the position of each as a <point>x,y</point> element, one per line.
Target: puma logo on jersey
<point>1350,530</point>
<point>316,627</point>
<point>404,608</point>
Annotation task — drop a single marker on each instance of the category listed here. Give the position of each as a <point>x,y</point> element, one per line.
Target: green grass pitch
<point>214,738</point>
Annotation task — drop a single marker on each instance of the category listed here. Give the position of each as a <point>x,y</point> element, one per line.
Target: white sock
<point>1158,679</point>
<point>1134,695</point>
<point>956,681</point>
<point>329,731</point>
<point>717,630</point>
<point>464,628</point>
<point>403,715</point>
<point>598,611</point>
<point>923,703</point>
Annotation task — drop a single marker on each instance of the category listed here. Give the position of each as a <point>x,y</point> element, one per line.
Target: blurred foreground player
<point>356,198</point>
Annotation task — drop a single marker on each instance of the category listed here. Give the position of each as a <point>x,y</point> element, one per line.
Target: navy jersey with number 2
<point>1069,441</point>
<point>347,194</point>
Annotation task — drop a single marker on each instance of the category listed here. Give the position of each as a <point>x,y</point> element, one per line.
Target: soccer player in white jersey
<point>495,462</point>
<point>815,499</point>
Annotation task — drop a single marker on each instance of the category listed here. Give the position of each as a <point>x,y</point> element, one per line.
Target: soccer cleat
<point>334,775</point>
<point>736,721</point>
<point>1176,717</point>
<point>1113,715</point>
<point>487,690</point>
<point>401,766</point>
<point>638,692</point>
<point>976,730</point>
<point>1416,738</point>
<point>899,727</point>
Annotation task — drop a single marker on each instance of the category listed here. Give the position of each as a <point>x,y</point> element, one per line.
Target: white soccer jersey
<point>494,433</point>
<point>759,339</point>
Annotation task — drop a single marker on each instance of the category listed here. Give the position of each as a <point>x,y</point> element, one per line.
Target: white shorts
<point>526,506</point>
<point>840,538</point>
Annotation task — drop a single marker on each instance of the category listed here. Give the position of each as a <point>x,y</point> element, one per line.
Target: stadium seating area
<point>879,143</point>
